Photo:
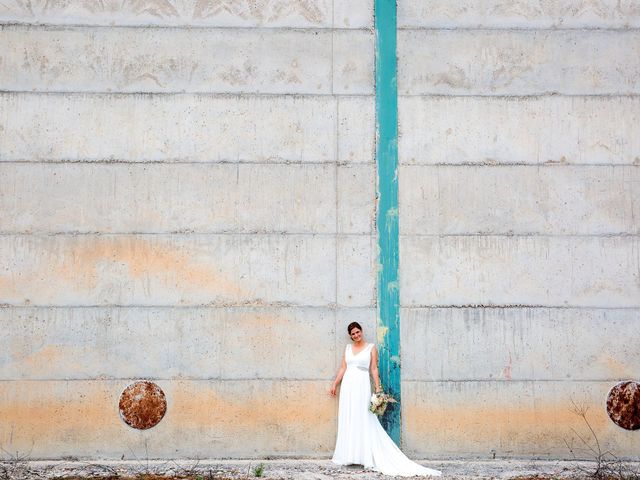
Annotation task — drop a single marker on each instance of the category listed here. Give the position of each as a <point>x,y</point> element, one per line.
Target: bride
<point>361,439</point>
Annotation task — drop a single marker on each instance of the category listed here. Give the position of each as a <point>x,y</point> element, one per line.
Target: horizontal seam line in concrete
<point>188,233</point>
<point>289,380</point>
<point>589,29</point>
<point>221,305</point>
<point>517,96</point>
<point>530,165</point>
<point>517,306</point>
<point>510,307</point>
<point>340,163</point>
<point>271,306</point>
<point>187,27</point>
<point>217,94</point>
<point>302,163</point>
<point>327,306</point>
<point>469,462</point>
<point>249,95</point>
<point>166,379</point>
<point>523,234</point>
<point>523,380</point>
<point>258,233</point>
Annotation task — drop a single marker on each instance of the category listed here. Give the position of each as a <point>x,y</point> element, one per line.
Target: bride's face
<point>356,334</point>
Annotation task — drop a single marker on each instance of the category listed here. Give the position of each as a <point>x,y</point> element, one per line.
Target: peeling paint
<point>393,287</point>
<point>381,333</point>
<point>387,211</point>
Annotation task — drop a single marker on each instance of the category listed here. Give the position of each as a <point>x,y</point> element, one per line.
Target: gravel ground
<point>303,469</point>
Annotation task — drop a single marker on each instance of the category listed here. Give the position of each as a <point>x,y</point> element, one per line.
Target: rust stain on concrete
<point>49,411</point>
<point>293,406</point>
<point>616,367</point>
<point>142,405</point>
<point>142,257</point>
<point>7,287</point>
<point>42,359</point>
<point>623,405</point>
<point>87,263</point>
<point>52,416</point>
<point>461,422</point>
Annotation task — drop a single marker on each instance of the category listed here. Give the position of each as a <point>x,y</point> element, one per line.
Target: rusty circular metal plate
<point>623,405</point>
<point>142,405</point>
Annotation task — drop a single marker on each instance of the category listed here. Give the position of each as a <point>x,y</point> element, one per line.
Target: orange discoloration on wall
<point>46,412</point>
<point>81,418</point>
<point>473,418</point>
<point>513,418</point>
<point>289,404</point>
<point>83,264</point>
<point>617,368</point>
<point>7,288</point>
<point>266,331</point>
<point>143,257</point>
<point>510,417</point>
<point>42,359</point>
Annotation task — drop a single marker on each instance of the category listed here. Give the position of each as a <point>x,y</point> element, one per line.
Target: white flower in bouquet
<point>379,402</point>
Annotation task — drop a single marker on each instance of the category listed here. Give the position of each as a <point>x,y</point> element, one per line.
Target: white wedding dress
<point>361,439</point>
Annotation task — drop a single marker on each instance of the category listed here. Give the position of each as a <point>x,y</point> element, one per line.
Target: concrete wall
<point>519,200</point>
<point>187,194</point>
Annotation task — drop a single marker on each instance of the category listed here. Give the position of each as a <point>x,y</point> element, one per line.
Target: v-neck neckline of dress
<point>362,350</point>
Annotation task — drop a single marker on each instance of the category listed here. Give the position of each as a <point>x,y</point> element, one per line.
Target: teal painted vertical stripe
<point>388,238</point>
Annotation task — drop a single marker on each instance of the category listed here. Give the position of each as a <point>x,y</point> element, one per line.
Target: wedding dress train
<point>361,439</point>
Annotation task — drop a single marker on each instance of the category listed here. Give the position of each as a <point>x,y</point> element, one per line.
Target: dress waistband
<point>364,369</point>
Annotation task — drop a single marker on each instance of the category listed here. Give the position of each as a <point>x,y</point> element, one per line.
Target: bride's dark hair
<point>353,325</point>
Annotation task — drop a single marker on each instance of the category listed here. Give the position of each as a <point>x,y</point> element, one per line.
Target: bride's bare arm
<point>373,368</point>
<point>338,379</point>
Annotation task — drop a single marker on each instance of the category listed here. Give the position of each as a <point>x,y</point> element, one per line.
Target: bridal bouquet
<point>379,402</point>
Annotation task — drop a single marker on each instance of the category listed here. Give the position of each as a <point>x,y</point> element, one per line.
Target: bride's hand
<point>332,391</point>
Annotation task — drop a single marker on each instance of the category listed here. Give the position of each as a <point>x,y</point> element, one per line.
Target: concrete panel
<point>356,130</point>
<point>53,419</point>
<point>522,199</point>
<point>195,343</point>
<point>353,59</point>
<point>169,198</point>
<point>199,128</point>
<point>535,271</point>
<point>518,62</point>
<point>520,344</point>
<point>518,14</point>
<point>76,59</point>
<point>520,130</point>
<point>356,198</point>
<point>526,419</point>
<point>284,344</point>
<point>167,270</point>
<point>356,277</point>
<point>279,13</point>
<point>353,14</point>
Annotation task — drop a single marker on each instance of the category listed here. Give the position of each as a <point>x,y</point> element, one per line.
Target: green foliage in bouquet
<point>379,402</point>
